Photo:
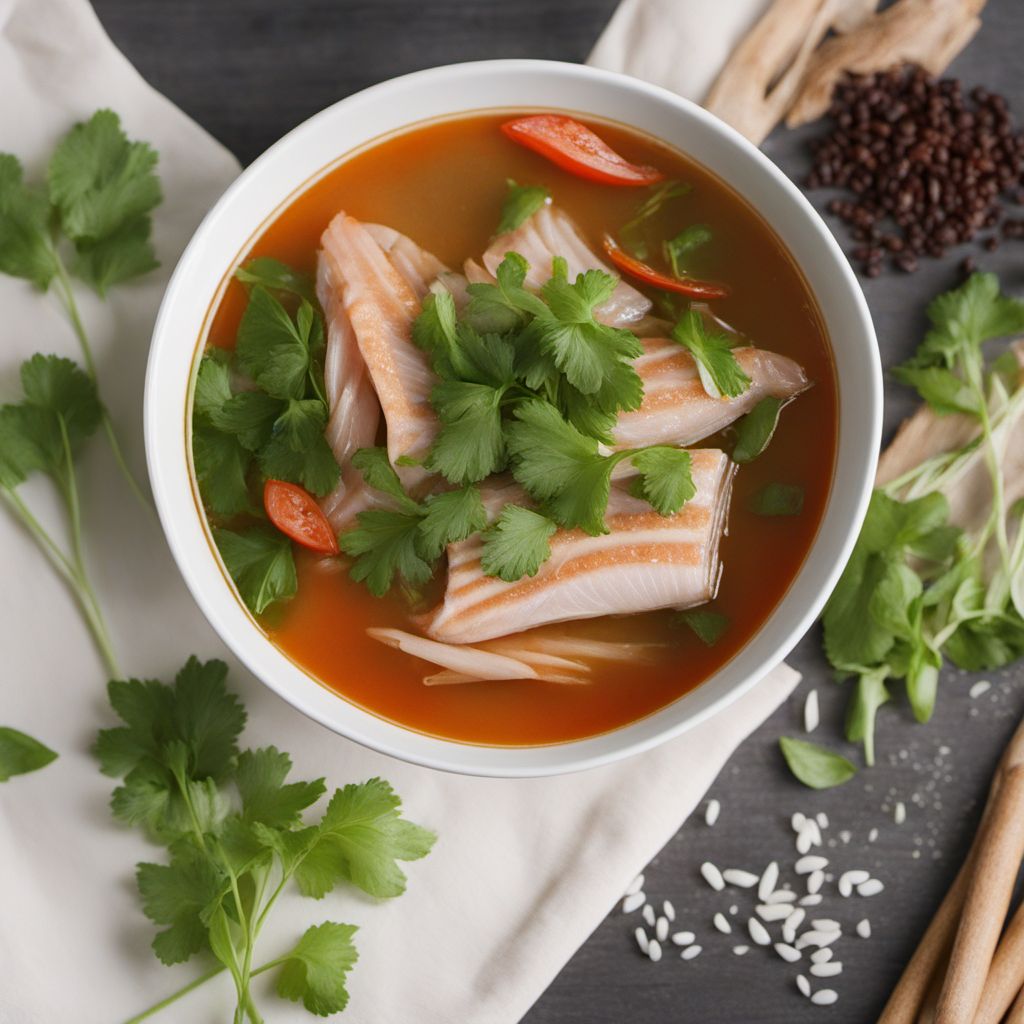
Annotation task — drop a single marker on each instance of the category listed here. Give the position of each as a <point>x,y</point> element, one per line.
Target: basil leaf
<point>815,766</point>
<point>755,430</point>
<point>20,753</point>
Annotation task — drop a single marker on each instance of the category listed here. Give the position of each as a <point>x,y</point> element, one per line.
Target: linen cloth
<point>523,870</point>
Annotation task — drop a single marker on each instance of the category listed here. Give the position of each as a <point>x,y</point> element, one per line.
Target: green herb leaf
<point>521,203</point>
<point>361,838</point>
<point>57,387</point>
<point>298,451</point>
<point>871,693</point>
<point>120,256</point>
<point>276,276</point>
<point>815,766</point>
<point>708,626</point>
<point>665,479</point>
<point>470,444</point>
<point>659,196</point>
<point>448,518</point>
<point>261,564</point>
<point>517,545</point>
<point>251,416</point>
<point>274,349</point>
<point>679,249</point>
<point>20,753</point>
<point>720,373</point>
<point>502,306</point>
<point>386,544</point>
<point>266,797</point>
<point>778,500</point>
<point>942,389</point>
<point>315,970</point>
<point>26,249</point>
<point>755,430</point>
<point>379,474</point>
<point>221,463</point>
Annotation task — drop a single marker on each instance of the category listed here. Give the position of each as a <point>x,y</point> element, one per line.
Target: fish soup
<point>513,434</point>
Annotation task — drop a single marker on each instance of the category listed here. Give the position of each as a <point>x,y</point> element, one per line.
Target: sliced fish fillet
<point>647,561</point>
<point>677,410</point>
<point>550,233</point>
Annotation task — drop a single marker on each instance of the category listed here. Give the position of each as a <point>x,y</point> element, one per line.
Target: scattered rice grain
<point>768,880</point>
<point>773,911</point>
<point>758,932</point>
<point>661,929</point>
<point>827,970</point>
<point>641,939</point>
<point>683,938</point>
<point>648,914</point>
<point>635,886</point>
<point>805,865</point>
<point>872,887</point>
<point>815,880</point>
<point>654,950</point>
<point>739,878</point>
<point>712,876</point>
<point>668,910</point>
<point>811,713</point>
<point>788,953</point>
<point>811,900</point>
<point>634,901</point>
<point>691,952</point>
<point>821,956</point>
<point>982,686</point>
<point>722,924</point>
<point>825,997</point>
<point>741,950</point>
<point>899,814</point>
<point>804,985</point>
<point>713,810</point>
<point>864,929</point>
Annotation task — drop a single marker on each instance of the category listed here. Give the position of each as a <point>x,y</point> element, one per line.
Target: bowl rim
<point>450,754</point>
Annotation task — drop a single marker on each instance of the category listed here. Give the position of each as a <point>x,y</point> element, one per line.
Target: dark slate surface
<point>249,72</point>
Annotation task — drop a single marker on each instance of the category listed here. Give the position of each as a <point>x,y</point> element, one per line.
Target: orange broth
<point>443,184</point>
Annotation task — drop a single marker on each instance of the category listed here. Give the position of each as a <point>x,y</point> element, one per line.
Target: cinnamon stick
<point>989,892</point>
<point>908,997</point>
<point>1006,975</point>
<point>1016,1014</point>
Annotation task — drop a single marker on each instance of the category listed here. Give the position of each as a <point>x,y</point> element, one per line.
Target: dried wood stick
<point>761,78</point>
<point>1016,1014</point>
<point>910,992</point>
<point>926,32</point>
<point>1006,975</point>
<point>852,14</point>
<point>989,892</point>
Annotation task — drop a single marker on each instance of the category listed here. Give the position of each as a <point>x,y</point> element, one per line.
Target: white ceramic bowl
<point>321,143</point>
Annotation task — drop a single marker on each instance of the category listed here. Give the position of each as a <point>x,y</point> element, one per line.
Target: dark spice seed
<point>928,167</point>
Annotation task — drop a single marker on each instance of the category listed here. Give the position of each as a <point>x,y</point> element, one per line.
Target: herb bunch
<point>917,588</point>
<point>91,222</point>
<point>233,826</point>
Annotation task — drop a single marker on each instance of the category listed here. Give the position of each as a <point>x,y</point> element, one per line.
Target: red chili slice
<point>575,148</point>
<point>688,286</point>
<point>296,514</point>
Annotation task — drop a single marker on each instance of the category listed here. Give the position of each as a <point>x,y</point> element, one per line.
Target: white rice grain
<point>825,924</point>
<point>654,950</point>
<point>982,686</point>
<point>691,952</point>
<point>773,911</point>
<point>741,950</point>
<point>811,900</point>
<point>781,896</point>
<point>864,929</point>
<point>712,876</point>
<point>758,932</point>
<point>872,835</point>
<point>648,914</point>
<point>825,997</point>
<point>805,865</point>
<point>634,901</point>
<point>811,714</point>
<point>683,938</point>
<point>668,910</point>
<point>822,819</point>
<point>722,924</point>
<point>790,925</point>
<point>804,985</point>
<point>849,879</point>
<point>827,970</point>
<point>872,887</point>
<point>661,929</point>
<point>899,814</point>
<point>641,940</point>
<point>741,879</point>
<point>788,953</point>
<point>815,880</point>
<point>635,886</point>
<point>821,956</point>
<point>797,821</point>
<point>768,881</point>
<point>714,808</point>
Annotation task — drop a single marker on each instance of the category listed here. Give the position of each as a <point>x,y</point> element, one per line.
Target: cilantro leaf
<point>517,544</point>
<point>274,349</point>
<point>266,798</point>
<point>21,753</point>
<point>596,414</point>
<point>815,766</point>
<point>379,474</point>
<point>221,463</point>
<point>276,276</point>
<point>26,249</point>
<point>583,349</point>
<point>777,499</point>
<point>386,544</point>
<point>450,517</point>
<point>708,626</point>
<point>470,444</point>
<point>20,454</point>
<point>521,203</point>
<point>871,693</point>
<point>502,306</point>
<point>665,479</point>
<point>123,254</point>
<point>360,840</point>
<point>942,389</point>
<point>177,894</point>
<point>755,430</point>
<point>314,971</point>
<point>298,451</point>
<point>679,248</point>
<point>99,181</point>
<point>213,382</point>
<point>261,564</point>
<point>57,387</point>
<point>250,416</point>
<point>720,373</point>
<point>434,331</point>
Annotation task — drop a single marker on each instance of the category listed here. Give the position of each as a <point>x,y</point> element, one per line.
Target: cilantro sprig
<point>720,372</point>
<point>918,590</point>
<point>521,203</point>
<point>44,434</point>
<point>91,221</point>
<point>234,826</point>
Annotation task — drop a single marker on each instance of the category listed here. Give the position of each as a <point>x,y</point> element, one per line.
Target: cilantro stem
<point>67,299</point>
<point>175,996</point>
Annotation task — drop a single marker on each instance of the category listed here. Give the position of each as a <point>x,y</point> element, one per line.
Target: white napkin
<point>522,872</point>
